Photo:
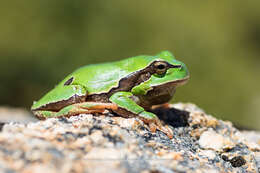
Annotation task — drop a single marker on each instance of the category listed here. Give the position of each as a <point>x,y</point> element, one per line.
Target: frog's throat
<point>160,94</point>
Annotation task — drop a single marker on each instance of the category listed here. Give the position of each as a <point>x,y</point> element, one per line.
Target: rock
<point>209,154</point>
<point>108,143</point>
<point>252,138</point>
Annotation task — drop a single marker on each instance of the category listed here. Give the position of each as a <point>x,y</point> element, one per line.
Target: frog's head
<point>167,74</point>
<point>168,70</point>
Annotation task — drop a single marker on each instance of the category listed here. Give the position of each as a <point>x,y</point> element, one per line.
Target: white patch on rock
<point>105,154</point>
<point>208,153</point>
<point>212,140</point>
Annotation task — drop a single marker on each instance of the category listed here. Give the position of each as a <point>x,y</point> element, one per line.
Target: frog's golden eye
<point>160,67</point>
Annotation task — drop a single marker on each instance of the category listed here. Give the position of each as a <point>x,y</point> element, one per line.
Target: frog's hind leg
<point>76,109</point>
<point>86,108</point>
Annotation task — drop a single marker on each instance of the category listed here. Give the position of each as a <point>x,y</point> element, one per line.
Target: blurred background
<point>42,41</point>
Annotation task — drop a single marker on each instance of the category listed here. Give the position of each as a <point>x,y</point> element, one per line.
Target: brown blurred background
<point>42,41</point>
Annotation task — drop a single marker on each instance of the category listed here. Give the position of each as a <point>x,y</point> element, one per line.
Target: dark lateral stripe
<point>56,106</point>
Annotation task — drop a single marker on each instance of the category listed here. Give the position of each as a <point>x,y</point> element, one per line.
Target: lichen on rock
<point>108,143</point>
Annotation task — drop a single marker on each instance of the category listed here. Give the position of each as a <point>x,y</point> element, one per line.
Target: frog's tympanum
<point>129,88</point>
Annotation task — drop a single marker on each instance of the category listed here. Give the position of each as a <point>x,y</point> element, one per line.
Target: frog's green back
<point>100,78</point>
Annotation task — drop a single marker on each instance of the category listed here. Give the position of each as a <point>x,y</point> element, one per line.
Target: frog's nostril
<point>179,68</point>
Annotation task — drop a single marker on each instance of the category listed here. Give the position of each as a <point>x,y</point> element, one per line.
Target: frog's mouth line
<point>178,82</point>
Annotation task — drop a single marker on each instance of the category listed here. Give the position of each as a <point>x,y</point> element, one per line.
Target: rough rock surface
<point>108,143</point>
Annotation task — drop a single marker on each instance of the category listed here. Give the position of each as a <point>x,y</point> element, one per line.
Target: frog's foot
<point>154,124</point>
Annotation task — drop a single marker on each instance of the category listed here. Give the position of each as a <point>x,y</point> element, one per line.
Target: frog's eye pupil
<point>161,66</point>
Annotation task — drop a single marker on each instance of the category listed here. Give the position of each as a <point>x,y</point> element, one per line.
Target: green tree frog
<point>128,87</point>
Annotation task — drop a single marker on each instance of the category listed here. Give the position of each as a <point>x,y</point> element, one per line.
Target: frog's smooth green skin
<point>128,87</point>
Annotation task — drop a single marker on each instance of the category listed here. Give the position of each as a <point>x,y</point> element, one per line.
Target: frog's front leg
<point>128,106</point>
<point>77,108</point>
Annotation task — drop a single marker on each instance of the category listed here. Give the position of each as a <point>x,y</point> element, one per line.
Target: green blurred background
<point>42,41</point>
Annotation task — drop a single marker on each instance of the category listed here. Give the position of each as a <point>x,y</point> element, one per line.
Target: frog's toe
<point>157,125</point>
<point>166,130</point>
<point>152,127</point>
